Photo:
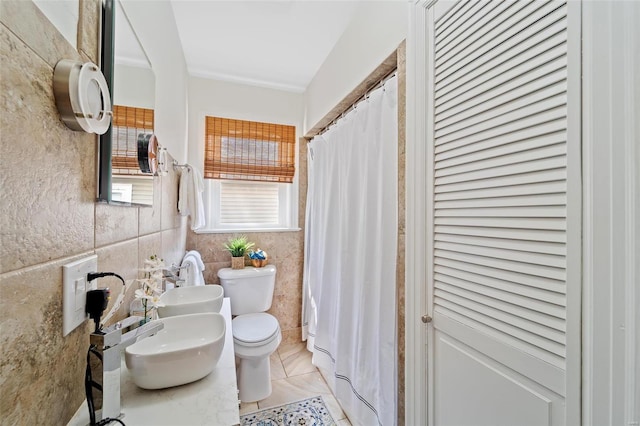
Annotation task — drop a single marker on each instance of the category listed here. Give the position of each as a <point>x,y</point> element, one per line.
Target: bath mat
<point>308,412</point>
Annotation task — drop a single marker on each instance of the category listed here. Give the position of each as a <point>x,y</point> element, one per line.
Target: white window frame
<point>288,210</point>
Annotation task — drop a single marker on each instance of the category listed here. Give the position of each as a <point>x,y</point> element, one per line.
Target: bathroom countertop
<point>212,400</point>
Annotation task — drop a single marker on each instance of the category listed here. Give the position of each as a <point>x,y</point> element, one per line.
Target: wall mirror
<point>123,179</point>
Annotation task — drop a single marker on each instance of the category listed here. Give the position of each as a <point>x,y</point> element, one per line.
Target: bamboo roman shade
<point>249,150</point>
<point>128,123</point>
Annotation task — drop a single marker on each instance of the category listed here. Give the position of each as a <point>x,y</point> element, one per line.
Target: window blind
<point>249,203</point>
<point>128,123</point>
<point>249,150</point>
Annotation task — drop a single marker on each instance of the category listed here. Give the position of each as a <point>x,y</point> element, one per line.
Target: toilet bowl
<point>255,338</point>
<point>256,334</point>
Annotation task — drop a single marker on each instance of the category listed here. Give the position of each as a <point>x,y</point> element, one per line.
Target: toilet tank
<point>250,289</point>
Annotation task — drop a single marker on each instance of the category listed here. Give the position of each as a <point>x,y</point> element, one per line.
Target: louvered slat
<point>449,126</point>
<point>506,265</point>
<point>491,162</point>
<point>492,79</point>
<point>544,187</point>
<point>547,326</point>
<point>500,157</point>
<point>545,35</point>
<point>468,17</point>
<point>524,280</point>
<point>526,258</point>
<point>545,199</point>
<point>521,87</point>
<point>452,16</point>
<point>532,348</point>
<point>535,103</point>
<point>511,244</point>
<point>546,314</point>
<point>502,323</point>
<point>556,236</point>
<point>552,175</point>
<point>539,299</point>
<point>481,151</point>
<point>551,224</point>
<point>485,132</point>
<point>525,211</point>
<point>489,40</point>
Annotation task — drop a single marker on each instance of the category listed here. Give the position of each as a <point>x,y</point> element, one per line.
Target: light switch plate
<point>74,290</point>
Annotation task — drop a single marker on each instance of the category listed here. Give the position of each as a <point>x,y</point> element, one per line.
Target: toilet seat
<point>254,329</point>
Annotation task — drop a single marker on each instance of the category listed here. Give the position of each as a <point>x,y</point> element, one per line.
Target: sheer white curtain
<point>349,303</point>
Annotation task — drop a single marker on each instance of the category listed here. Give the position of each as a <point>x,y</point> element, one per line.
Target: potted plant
<point>238,246</point>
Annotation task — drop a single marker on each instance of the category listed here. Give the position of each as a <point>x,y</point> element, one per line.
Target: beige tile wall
<point>285,251</point>
<point>49,218</point>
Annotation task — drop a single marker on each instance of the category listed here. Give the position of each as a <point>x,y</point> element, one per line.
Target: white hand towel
<point>183,191</point>
<point>192,274</point>
<point>196,205</point>
<point>190,201</point>
<point>199,278</point>
<point>198,257</point>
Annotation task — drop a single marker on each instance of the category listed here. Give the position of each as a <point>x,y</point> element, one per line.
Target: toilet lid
<point>253,328</point>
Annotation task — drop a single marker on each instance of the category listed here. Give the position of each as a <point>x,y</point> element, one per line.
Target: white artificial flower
<point>155,301</point>
<point>140,294</point>
<point>153,288</point>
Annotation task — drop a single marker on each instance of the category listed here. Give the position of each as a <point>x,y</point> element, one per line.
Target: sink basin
<point>191,300</point>
<point>185,350</point>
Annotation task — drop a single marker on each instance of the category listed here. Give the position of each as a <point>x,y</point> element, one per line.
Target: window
<point>249,169</point>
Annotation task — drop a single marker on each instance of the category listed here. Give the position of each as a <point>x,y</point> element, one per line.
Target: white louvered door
<point>500,137</point>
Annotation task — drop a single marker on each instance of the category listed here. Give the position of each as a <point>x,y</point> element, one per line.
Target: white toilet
<point>256,334</point>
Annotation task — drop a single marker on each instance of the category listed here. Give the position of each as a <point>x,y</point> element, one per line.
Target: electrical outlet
<point>74,291</point>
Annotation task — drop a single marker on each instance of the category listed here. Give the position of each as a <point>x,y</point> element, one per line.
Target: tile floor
<point>293,378</point>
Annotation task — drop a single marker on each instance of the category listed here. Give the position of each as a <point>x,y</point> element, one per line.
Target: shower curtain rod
<point>367,93</point>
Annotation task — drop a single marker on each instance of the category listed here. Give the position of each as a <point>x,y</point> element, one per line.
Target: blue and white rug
<point>308,412</point>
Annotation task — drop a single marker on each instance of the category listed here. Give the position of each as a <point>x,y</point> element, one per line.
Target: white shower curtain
<point>349,302</point>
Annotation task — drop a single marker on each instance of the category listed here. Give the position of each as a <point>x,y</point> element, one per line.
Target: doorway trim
<point>416,224</point>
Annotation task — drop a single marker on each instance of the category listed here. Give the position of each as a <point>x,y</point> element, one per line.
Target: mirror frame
<point>107,64</point>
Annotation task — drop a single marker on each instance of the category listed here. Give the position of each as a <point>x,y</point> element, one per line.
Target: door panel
<point>495,389</point>
<point>498,131</point>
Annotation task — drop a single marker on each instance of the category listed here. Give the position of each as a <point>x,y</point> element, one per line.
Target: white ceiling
<point>279,44</point>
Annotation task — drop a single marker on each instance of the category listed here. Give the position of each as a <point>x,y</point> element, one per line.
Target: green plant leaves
<point>238,245</point>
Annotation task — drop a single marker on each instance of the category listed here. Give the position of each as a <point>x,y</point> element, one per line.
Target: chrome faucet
<point>171,275</point>
<point>107,345</point>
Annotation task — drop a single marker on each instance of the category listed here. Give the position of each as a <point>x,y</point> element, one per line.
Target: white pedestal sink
<point>191,300</point>
<point>185,350</point>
